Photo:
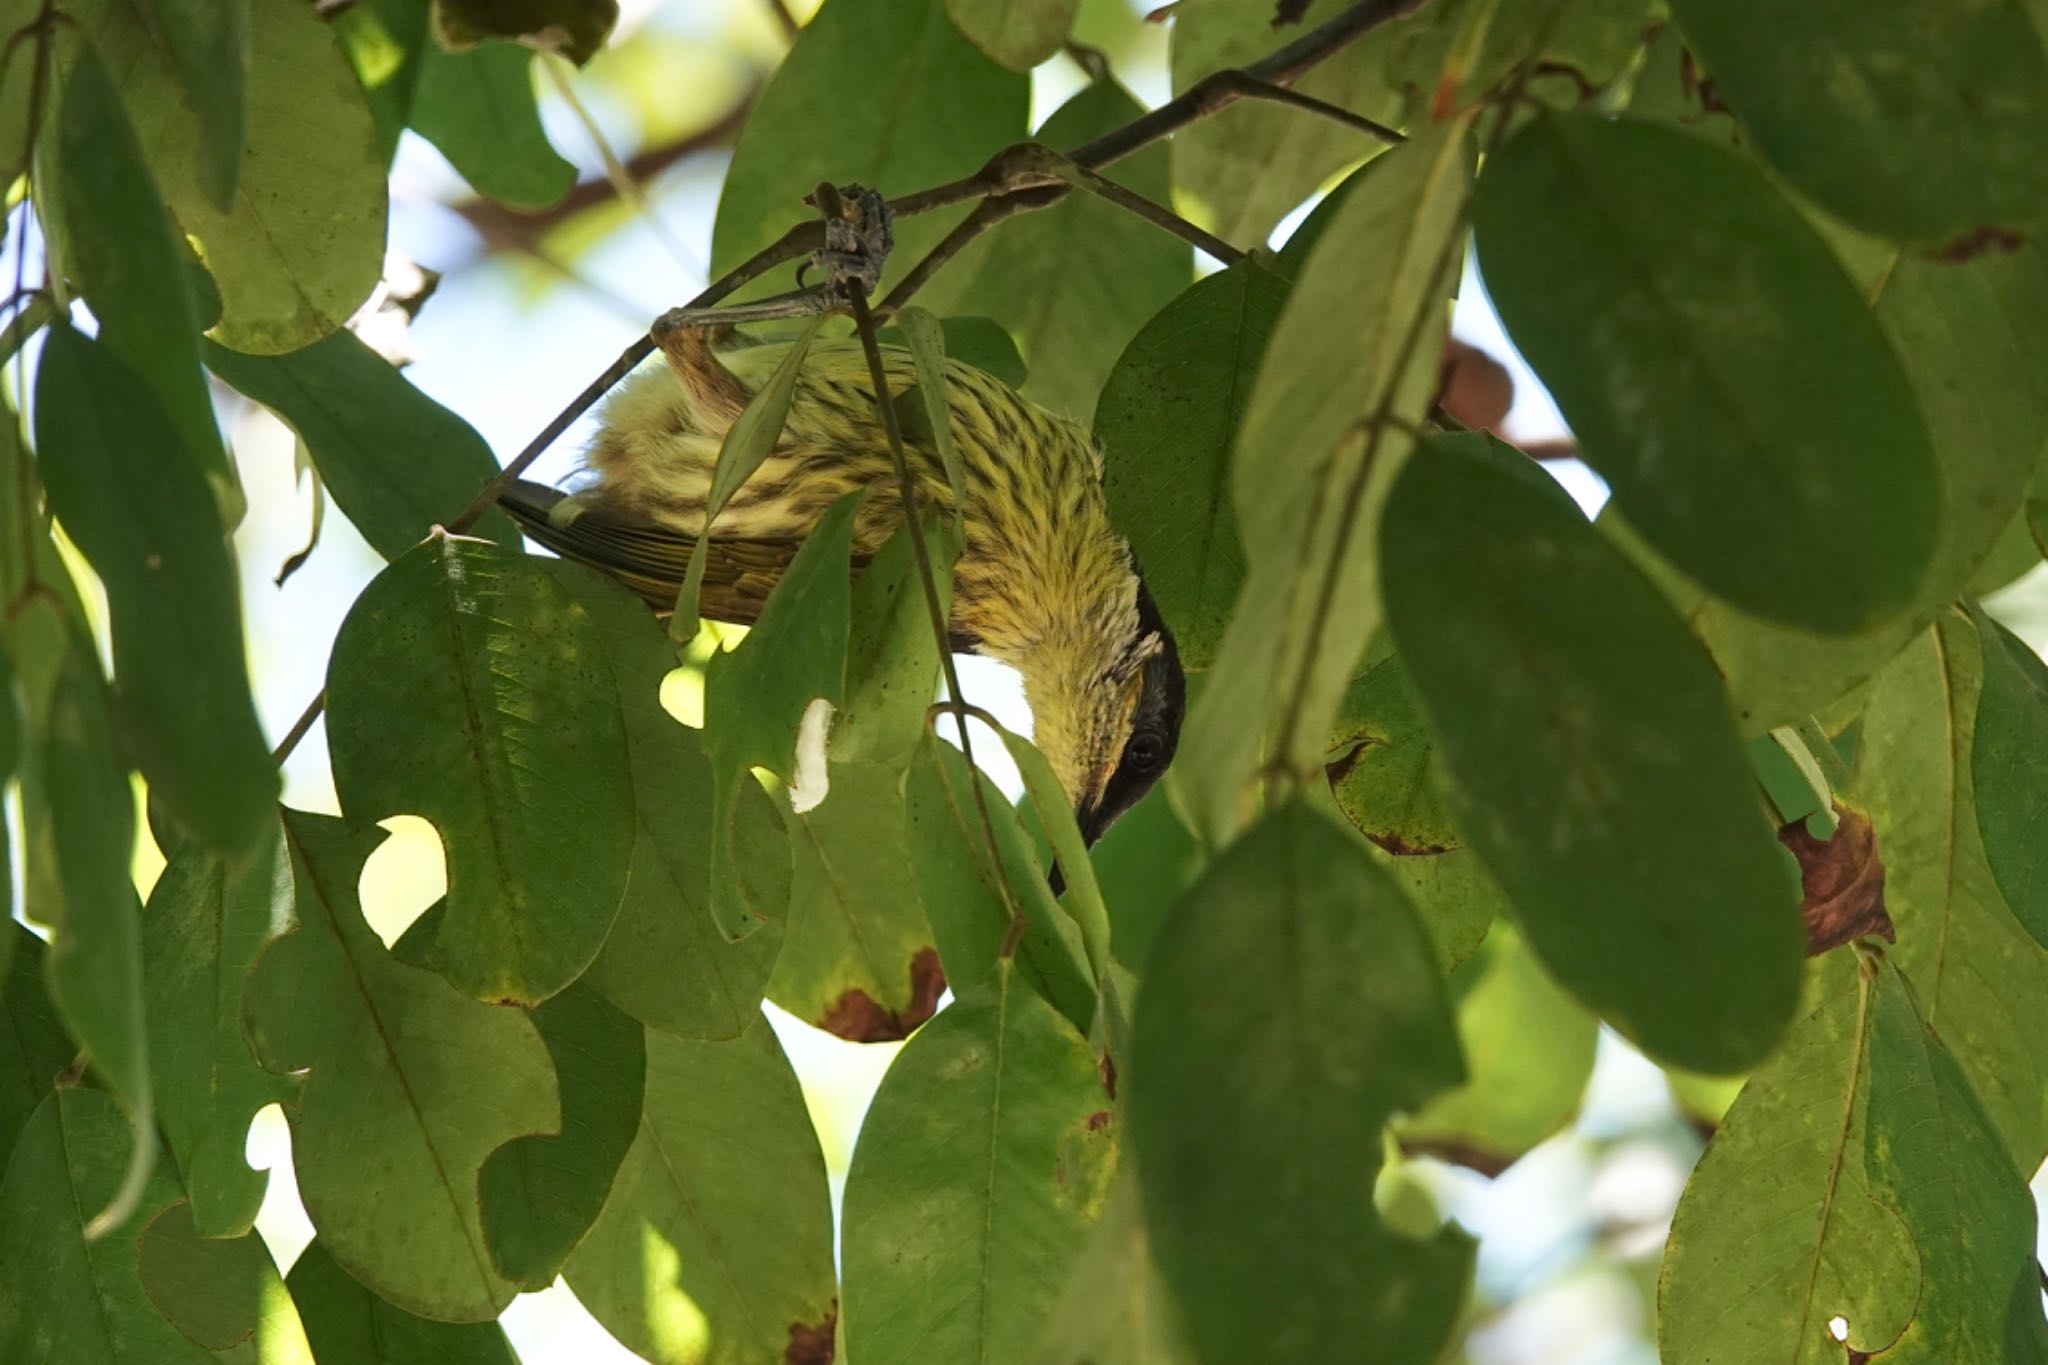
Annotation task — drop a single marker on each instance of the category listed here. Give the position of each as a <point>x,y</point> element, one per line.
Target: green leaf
<point>68,1296</point>
<point>1018,33</point>
<point>218,1291</point>
<point>345,1322</point>
<point>892,654</point>
<point>304,243</point>
<point>1054,818</point>
<point>755,697</point>
<point>529,786</point>
<point>1981,980</point>
<point>1114,1306</point>
<point>1351,366</point>
<point>1600,777</point>
<point>924,336</point>
<point>2011,787</point>
<point>1257,1127</point>
<point>150,528</point>
<point>980,342</point>
<point>748,441</point>
<point>206,922</point>
<point>396,461</point>
<point>963,890</point>
<point>1858,1178</point>
<point>34,1050</point>
<point>857,99</point>
<point>986,1156</point>
<point>716,1245</point>
<point>1168,420</point>
<point>1928,122</point>
<point>208,42</point>
<point>119,249</point>
<point>574,28</point>
<point>1074,282</point>
<point>1717,366</point>
<point>401,1107</point>
<point>1529,1050</point>
<point>1143,864</point>
<point>665,963</point>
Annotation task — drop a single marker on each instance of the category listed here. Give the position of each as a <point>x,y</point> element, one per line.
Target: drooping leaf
<point>986,1156</point>
<point>1857,1180</point>
<point>839,109</point>
<point>208,42</point>
<point>1841,881</point>
<point>1716,365</point>
<point>396,461</point>
<point>530,788</point>
<point>1598,773</point>
<point>344,1321</point>
<point>716,1245</point>
<point>219,1291</point>
<point>1351,367</point>
<point>411,1088</point>
<point>146,521</point>
<point>303,244</point>
<point>574,28</point>
<point>1018,33</point>
<point>969,900</point>
<point>206,921</point>
<point>1074,282</point>
<point>118,248</point>
<point>1258,1138</point>
<point>1529,1053</point>
<point>755,697</point>
<point>925,337</point>
<point>34,1051</point>
<point>1982,981</point>
<point>1168,421</point>
<point>664,962</point>
<point>2011,786</point>
<point>1927,123</point>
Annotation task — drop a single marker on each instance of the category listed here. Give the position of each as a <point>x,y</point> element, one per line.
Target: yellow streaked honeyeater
<point>1044,583</point>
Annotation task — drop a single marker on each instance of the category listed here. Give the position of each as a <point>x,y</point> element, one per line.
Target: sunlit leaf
<point>1258,1139</point>
<point>716,1245</point>
<point>1168,421</point>
<point>2011,784</point>
<point>219,1291</point>
<point>574,28</point>
<point>1927,122</point>
<point>1598,774</point>
<point>397,462</point>
<point>208,41</point>
<point>344,1321</point>
<point>1716,365</point>
<point>411,1088</point>
<point>1351,366</point>
<point>529,786</point>
<point>1114,1306</point>
<point>985,1157</point>
<point>1018,33</point>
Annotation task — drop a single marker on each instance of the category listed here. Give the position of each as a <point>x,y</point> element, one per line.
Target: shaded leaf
<point>716,1245</point>
<point>574,28</point>
<point>1258,1140</point>
<point>411,1088</point>
<point>1168,420</point>
<point>2011,781</point>
<point>530,789</point>
<point>1611,800</point>
<point>985,1157</point>
<point>1351,366</point>
<point>346,1322</point>
<point>206,921</point>
<point>1018,33</point>
<point>34,1050</point>
<point>1928,122</point>
<point>396,462</point>
<point>1074,282</point>
<point>1716,365</point>
<point>980,342</point>
<point>150,528</point>
<point>304,243</point>
<point>208,42</point>
<point>218,1291</point>
<point>1143,863</point>
<point>1114,1306</point>
<point>892,653</point>
<point>1841,882</point>
<point>838,109</point>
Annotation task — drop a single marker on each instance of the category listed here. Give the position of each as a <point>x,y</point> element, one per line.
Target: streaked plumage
<point>1044,582</point>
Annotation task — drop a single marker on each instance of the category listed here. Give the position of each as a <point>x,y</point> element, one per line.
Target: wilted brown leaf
<point>1842,880</point>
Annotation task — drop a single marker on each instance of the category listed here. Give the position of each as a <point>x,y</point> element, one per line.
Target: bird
<point>1044,581</point>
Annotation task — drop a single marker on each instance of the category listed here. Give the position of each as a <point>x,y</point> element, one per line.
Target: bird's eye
<point>1144,751</point>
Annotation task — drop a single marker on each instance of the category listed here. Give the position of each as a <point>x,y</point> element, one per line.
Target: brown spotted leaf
<point>1841,882</point>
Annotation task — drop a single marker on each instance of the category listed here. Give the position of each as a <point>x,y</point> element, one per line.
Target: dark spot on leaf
<point>856,1017</point>
<point>1841,880</point>
<point>1106,1068</point>
<point>1098,1120</point>
<point>810,1345</point>
<point>1289,12</point>
<point>1340,767</point>
<point>1700,85</point>
<point>1403,847</point>
<point>1974,244</point>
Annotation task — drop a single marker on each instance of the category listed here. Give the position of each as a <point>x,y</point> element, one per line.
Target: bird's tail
<point>649,561</point>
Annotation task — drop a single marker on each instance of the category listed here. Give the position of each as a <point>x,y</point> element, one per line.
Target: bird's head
<point>1106,709</point>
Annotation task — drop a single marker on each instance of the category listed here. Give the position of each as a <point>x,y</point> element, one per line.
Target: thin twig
<point>984,216</point>
<point>1251,87</point>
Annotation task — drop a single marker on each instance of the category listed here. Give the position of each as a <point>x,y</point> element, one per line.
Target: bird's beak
<point>1087,815</point>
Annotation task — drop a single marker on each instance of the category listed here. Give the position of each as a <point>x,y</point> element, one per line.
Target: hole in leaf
<point>407,873</point>
<point>1838,1328</point>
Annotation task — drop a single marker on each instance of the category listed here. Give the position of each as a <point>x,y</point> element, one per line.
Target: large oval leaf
<point>1592,758</point>
<point>466,686</point>
<point>2012,788</point>
<point>1291,1006</point>
<point>1717,366</point>
<point>345,1321</point>
<point>1925,121</point>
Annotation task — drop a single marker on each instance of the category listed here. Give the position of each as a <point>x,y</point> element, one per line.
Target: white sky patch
<point>1838,1328</point>
<point>812,779</point>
